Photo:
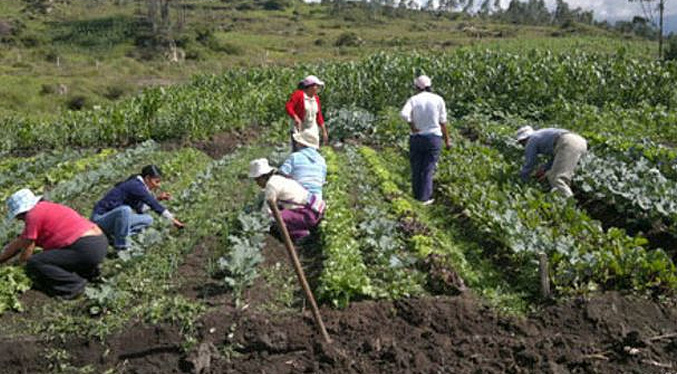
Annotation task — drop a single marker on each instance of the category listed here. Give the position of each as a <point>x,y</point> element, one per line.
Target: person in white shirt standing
<point>426,114</point>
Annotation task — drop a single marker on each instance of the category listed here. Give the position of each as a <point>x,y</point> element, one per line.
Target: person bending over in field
<point>426,114</point>
<point>121,212</point>
<point>306,165</point>
<point>301,210</point>
<point>305,110</point>
<point>563,147</point>
<point>73,247</point>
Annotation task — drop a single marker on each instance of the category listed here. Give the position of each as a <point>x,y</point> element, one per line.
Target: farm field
<point>220,295</point>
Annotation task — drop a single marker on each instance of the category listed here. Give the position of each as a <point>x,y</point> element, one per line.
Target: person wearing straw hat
<point>564,148</point>
<point>73,247</point>
<point>305,109</point>
<point>426,114</point>
<point>121,212</point>
<point>301,210</point>
<point>306,165</point>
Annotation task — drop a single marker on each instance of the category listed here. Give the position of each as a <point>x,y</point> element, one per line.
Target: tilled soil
<point>610,333</point>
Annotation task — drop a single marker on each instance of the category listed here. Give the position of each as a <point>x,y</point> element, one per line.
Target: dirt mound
<point>223,143</point>
<point>610,333</point>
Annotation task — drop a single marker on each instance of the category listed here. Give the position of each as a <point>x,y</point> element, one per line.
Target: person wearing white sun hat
<point>564,148</point>
<point>305,109</point>
<point>426,114</point>
<point>73,247</point>
<point>301,210</point>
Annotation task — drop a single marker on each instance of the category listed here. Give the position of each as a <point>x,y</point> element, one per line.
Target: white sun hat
<point>259,167</point>
<point>311,80</point>
<point>423,82</point>
<point>307,138</point>
<point>524,132</point>
<point>21,202</point>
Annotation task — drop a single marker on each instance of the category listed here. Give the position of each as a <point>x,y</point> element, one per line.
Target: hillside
<point>82,53</point>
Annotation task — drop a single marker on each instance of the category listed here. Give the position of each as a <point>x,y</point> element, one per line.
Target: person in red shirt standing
<point>305,109</point>
<point>73,246</point>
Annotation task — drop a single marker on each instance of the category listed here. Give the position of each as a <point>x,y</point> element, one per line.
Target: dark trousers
<point>64,272</point>
<point>424,150</point>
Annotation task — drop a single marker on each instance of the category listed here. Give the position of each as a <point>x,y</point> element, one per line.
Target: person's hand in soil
<point>164,196</point>
<point>178,224</point>
<point>540,175</point>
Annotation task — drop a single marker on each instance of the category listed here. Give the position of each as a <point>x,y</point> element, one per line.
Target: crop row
<point>437,236</point>
<point>76,189</point>
<point>470,79</point>
<point>344,275</point>
<point>634,188</point>
<point>144,286</point>
<point>526,221</point>
<point>393,268</point>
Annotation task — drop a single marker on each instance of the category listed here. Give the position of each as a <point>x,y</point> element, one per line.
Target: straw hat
<point>259,167</point>
<point>307,139</point>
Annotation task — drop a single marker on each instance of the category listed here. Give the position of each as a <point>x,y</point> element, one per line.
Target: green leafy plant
<point>13,282</point>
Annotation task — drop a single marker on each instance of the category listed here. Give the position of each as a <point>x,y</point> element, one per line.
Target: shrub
<point>114,92</point>
<point>47,89</point>
<point>349,39</point>
<point>671,48</point>
<point>275,4</point>
<point>76,102</point>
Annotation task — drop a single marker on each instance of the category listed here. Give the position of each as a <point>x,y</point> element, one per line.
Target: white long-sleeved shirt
<point>426,111</point>
<point>287,192</point>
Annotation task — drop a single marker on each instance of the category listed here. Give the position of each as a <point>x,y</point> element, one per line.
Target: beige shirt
<point>287,192</point>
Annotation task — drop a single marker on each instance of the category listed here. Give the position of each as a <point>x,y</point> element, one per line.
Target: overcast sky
<point>614,10</point>
<point>610,10</point>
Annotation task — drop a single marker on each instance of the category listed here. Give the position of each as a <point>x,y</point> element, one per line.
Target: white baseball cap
<point>21,202</point>
<point>259,167</point>
<point>524,132</point>
<point>311,80</point>
<point>423,82</point>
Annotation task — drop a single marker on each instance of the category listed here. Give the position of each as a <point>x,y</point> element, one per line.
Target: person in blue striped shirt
<point>306,165</point>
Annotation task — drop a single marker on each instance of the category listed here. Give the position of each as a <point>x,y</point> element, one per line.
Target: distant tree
<point>652,10</point>
<point>671,49</point>
<point>532,12</point>
<point>428,6</point>
<point>485,8</point>
<point>562,13</point>
<point>468,7</point>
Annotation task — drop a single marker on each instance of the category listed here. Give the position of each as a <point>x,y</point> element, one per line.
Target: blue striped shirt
<point>306,166</point>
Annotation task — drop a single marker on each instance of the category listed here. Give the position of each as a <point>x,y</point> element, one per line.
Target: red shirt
<point>54,226</point>
<point>295,105</point>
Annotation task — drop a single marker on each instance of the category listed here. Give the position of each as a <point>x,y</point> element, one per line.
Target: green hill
<point>70,55</point>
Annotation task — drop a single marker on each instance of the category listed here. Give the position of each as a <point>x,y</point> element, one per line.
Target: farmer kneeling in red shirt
<point>73,246</point>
